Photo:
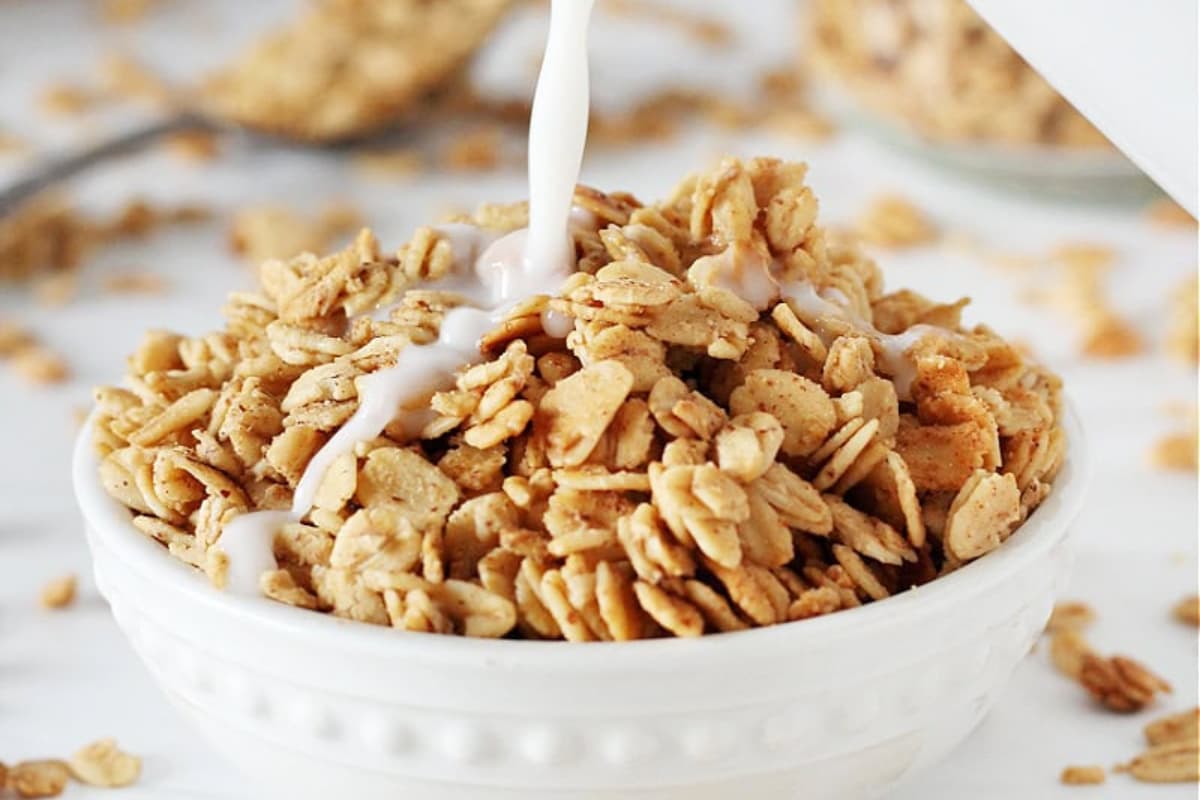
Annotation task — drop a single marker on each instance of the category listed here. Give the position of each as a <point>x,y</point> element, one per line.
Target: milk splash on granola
<point>492,276</point>
<point>751,275</point>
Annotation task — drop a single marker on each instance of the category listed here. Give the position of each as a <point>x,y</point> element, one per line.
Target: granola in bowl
<point>938,68</point>
<point>720,421</point>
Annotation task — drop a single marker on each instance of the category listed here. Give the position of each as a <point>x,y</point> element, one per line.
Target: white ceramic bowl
<point>842,706</point>
<point>1093,175</point>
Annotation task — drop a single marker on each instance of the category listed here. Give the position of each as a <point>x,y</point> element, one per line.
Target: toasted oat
<point>40,365</point>
<point>1120,683</point>
<point>47,778</point>
<point>396,163</point>
<point>1187,610</point>
<point>1108,336</point>
<point>1068,650</point>
<point>1171,762</point>
<point>1181,727</point>
<point>58,593</point>
<point>1176,451</point>
<point>49,235</point>
<point>1082,775</point>
<point>676,461</point>
<point>263,233</point>
<point>893,221</point>
<point>476,150</point>
<point>102,764</point>
<point>885,53</point>
<point>1070,616</point>
<point>13,338</point>
<point>57,289</point>
<point>134,282</point>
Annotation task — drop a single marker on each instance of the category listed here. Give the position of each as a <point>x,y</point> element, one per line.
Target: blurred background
<point>288,124</point>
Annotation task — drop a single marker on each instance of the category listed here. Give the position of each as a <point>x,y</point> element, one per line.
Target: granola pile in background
<point>682,462</point>
<point>347,68</point>
<point>935,66</point>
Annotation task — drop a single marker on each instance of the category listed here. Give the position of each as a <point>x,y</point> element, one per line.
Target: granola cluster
<point>100,764</point>
<point>347,68</point>
<point>939,68</point>
<point>681,462</point>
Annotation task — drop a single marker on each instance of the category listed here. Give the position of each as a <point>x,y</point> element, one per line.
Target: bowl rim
<point>1015,158</point>
<point>109,526</point>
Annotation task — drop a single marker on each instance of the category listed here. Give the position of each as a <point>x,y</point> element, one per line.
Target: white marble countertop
<point>67,678</point>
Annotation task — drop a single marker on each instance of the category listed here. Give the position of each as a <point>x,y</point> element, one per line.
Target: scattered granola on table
<point>49,234</point>
<point>478,149</point>
<point>893,221</point>
<point>1082,775</point>
<point>59,593</point>
<point>684,461</point>
<point>1171,762</point>
<point>1120,683</point>
<point>260,233</point>
<point>134,282</point>
<point>1068,649</point>
<point>1178,450</point>
<point>1181,727</point>
<point>101,763</point>
<point>394,163</point>
<point>39,365</point>
<point>1082,292</point>
<point>937,67</point>
<point>1187,610</point>
<point>46,778</point>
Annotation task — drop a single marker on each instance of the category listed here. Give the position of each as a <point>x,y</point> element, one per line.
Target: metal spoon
<point>60,168</point>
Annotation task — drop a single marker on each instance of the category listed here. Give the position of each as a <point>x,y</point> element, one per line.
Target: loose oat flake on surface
<point>59,593</point>
<point>101,763</point>
<point>676,460</point>
<point>47,778</point>
<point>1082,775</point>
